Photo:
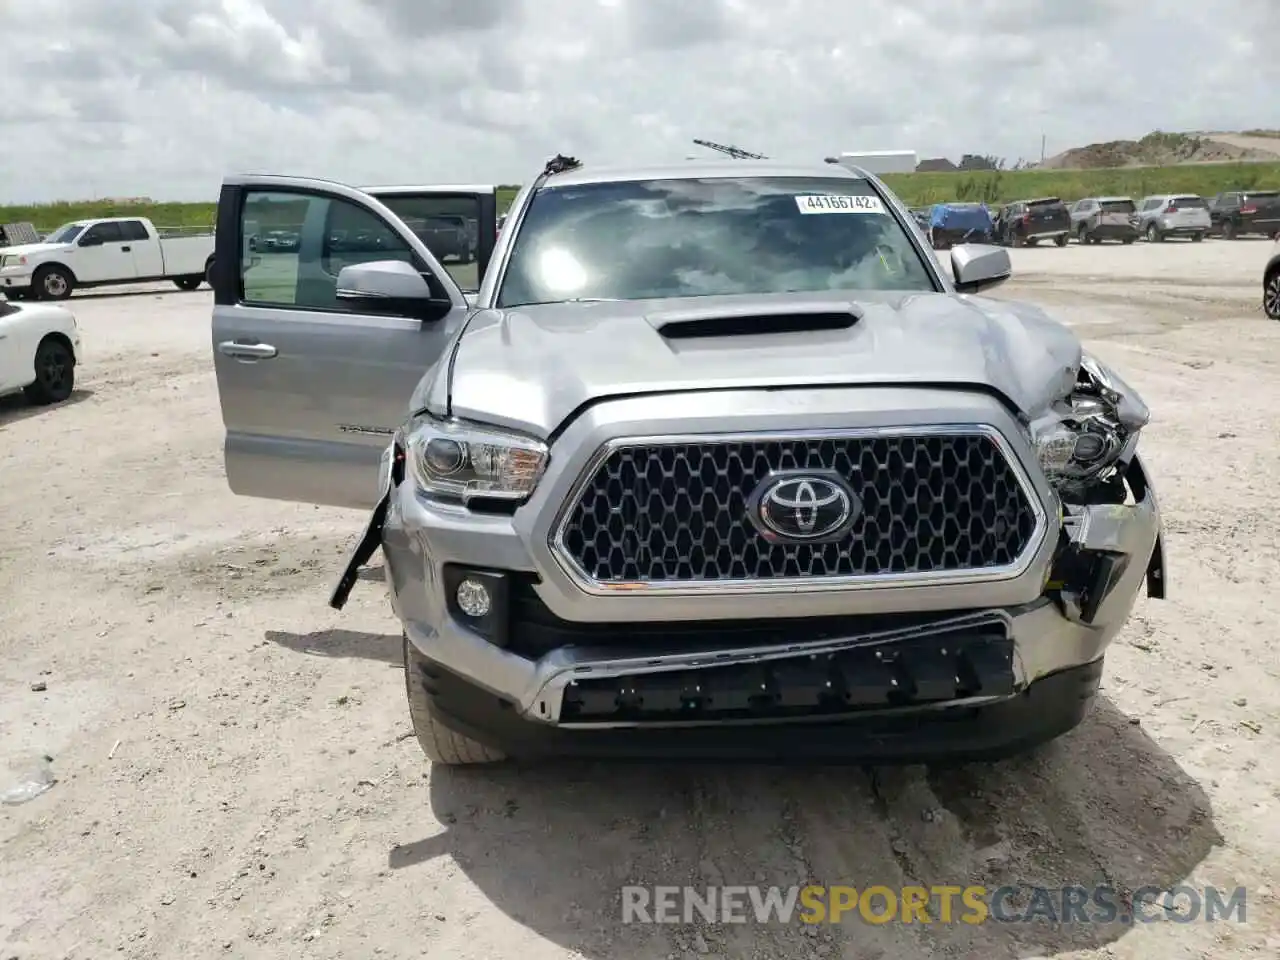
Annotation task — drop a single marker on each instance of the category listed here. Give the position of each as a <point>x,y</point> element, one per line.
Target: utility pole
<point>1043,140</point>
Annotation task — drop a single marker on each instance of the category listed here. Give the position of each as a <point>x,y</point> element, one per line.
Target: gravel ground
<point>236,775</point>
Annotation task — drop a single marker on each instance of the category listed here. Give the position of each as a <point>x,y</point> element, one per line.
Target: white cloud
<point>163,97</point>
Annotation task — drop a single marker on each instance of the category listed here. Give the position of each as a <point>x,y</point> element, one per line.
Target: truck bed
<point>186,256</point>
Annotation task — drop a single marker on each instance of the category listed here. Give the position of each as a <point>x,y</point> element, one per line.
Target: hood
<point>27,249</point>
<point>531,367</point>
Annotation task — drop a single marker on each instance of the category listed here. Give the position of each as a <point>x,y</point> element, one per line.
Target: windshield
<point>699,238</point>
<point>65,233</point>
<point>1118,206</point>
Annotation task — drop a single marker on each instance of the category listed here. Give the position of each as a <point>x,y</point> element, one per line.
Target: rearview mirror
<point>979,266</point>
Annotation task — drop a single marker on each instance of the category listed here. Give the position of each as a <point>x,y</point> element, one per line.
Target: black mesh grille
<point>678,512</point>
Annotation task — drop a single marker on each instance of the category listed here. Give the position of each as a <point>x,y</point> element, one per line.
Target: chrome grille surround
<point>878,451</point>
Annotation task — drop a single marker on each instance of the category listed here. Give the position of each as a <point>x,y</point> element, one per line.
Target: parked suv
<point>1027,222</point>
<point>1173,215</point>
<point>1247,211</point>
<point>722,461</point>
<point>1095,219</point>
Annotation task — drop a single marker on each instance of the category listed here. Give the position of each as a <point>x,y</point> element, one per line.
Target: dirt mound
<point>1164,150</point>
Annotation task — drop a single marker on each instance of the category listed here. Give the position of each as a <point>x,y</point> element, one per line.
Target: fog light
<point>473,598</point>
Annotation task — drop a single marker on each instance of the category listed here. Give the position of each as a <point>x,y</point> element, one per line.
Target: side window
<point>449,226</point>
<point>293,245</point>
<point>133,230</point>
<point>108,232</point>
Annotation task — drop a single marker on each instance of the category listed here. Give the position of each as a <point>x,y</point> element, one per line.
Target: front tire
<point>1153,234</point>
<point>188,283</point>
<point>55,373</point>
<point>53,283</point>
<point>1061,239</point>
<point>1271,294</point>
<point>1228,230</point>
<point>440,743</point>
<point>1197,237</point>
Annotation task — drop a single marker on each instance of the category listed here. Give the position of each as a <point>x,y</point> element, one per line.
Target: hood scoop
<point>754,321</point>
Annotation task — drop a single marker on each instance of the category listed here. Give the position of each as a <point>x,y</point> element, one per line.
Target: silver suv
<point>721,462</point>
<point>1173,215</point>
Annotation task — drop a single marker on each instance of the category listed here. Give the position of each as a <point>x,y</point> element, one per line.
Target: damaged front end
<point>1087,444</point>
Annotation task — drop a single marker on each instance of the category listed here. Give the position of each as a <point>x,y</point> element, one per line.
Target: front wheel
<point>188,283</point>
<point>1061,239</point>
<point>1228,230</point>
<point>55,373</point>
<point>53,283</point>
<point>1271,294</point>
<point>1197,237</point>
<point>442,744</point>
<point>1153,235</point>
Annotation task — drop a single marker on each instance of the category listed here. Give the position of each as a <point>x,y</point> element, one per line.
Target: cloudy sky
<point>160,98</point>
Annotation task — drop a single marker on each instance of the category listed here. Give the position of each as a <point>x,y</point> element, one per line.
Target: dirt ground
<point>236,775</point>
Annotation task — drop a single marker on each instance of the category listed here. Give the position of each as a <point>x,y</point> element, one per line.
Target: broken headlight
<point>1091,433</point>
<point>459,461</point>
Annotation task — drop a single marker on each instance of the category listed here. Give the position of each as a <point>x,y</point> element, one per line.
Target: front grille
<point>677,512</point>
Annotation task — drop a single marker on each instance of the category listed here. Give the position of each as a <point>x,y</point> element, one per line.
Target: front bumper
<point>16,279</point>
<point>518,678</point>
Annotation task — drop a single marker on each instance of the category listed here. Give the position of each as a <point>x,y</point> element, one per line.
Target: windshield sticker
<point>839,204</point>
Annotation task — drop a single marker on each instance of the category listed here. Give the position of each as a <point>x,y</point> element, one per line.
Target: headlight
<point>454,460</point>
<point>1083,436</point>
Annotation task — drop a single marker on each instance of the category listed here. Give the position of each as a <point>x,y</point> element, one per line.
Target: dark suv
<point>1027,222</point>
<point>1239,212</point>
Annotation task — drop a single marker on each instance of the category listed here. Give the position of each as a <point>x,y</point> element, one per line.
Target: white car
<point>39,349</point>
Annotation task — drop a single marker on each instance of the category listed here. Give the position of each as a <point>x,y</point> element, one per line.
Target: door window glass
<point>106,232</point>
<point>293,246</point>
<point>133,230</point>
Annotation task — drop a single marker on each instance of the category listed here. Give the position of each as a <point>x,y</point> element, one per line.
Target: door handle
<point>246,351</point>
<point>126,249</point>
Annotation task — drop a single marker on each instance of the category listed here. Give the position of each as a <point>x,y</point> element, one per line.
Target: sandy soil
<point>237,777</point>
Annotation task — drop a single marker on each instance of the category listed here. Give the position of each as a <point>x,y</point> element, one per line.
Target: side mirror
<point>91,241</point>
<point>389,286</point>
<point>978,266</point>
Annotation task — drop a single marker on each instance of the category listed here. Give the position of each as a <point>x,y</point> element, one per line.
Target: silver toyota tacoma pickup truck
<point>713,461</point>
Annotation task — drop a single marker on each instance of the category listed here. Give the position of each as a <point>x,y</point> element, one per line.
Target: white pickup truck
<point>100,253</point>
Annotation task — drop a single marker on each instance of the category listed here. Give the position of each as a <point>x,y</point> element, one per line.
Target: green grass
<point>916,189</point>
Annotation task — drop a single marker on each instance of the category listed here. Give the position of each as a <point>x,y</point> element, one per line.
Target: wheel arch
<point>58,264</point>
<point>57,336</point>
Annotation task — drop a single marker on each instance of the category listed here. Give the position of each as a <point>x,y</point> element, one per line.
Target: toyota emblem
<point>803,506</point>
